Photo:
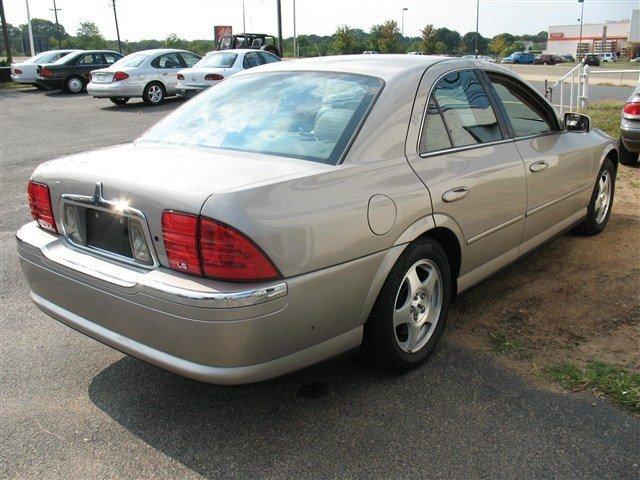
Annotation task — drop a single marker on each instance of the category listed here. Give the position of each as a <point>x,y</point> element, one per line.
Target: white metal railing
<point>578,79</point>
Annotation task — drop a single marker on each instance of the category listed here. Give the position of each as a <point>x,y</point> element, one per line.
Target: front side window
<point>466,111</point>
<point>306,115</point>
<point>527,117</point>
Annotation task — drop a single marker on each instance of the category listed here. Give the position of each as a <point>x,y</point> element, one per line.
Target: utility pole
<point>581,23</point>
<point>279,13</point>
<point>402,28</point>
<point>244,25</point>
<point>33,50</point>
<point>115,16</point>
<point>55,12</point>
<point>477,24</point>
<point>295,35</point>
<point>5,33</point>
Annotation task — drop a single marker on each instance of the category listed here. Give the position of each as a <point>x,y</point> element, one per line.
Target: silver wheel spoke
<point>414,282</point>
<point>402,315</point>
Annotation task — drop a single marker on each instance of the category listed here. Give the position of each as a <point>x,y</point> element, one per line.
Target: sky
<point>194,19</point>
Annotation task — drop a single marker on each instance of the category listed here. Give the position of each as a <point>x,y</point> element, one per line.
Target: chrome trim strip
<point>506,224</point>
<point>557,200</point>
<point>467,147</point>
<point>49,248</point>
<point>98,202</point>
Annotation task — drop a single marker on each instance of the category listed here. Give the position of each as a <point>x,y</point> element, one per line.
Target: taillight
<point>40,205</point>
<point>201,246</point>
<point>632,109</point>
<point>45,72</point>
<point>180,234</point>
<point>17,71</point>
<point>120,76</point>
<point>227,254</point>
<point>180,76</point>
<point>213,76</point>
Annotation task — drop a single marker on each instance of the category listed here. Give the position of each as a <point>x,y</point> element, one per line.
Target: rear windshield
<point>65,58</point>
<point>218,60</point>
<point>307,115</point>
<point>133,60</point>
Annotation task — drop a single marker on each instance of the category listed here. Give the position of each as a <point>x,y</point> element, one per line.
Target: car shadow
<point>345,418</point>
<point>135,105</point>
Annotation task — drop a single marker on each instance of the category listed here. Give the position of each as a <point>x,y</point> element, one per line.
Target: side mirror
<point>576,122</point>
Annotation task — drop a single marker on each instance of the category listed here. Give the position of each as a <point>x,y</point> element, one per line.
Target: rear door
<point>168,65</point>
<point>252,59</point>
<point>558,163</point>
<point>473,171</point>
<point>87,63</point>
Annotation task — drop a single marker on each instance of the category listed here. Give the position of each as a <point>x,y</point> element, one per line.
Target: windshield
<point>218,60</point>
<point>133,60</point>
<point>307,115</point>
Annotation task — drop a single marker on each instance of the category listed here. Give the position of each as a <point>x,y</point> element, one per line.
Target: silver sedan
<point>149,74</point>
<point>302,209</point>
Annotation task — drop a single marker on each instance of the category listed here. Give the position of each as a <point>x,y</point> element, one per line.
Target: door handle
<point>455,194</point>
<point>538,166</point>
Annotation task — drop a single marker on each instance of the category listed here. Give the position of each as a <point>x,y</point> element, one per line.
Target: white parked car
<point>609,57</point>
<point>415,53</point>
<point>484,58</point>
<point>25,72</point>
<point>217,66</point>
<point>149,74</point>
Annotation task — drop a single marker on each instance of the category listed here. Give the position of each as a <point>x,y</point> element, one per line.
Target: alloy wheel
<point>417,306</point>
<point>603,200</point>
<point>74,85</point>
<point>155,93</point>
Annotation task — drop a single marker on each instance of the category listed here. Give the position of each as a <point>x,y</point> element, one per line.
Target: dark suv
<point>591,59</point>
<point>256,41</point>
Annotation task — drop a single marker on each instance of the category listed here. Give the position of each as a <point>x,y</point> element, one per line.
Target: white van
<point>609,57</point>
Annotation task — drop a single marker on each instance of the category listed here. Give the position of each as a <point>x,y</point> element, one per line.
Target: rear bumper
<point>210,331</point>
<point>115,89</point>
<point>630,134</point>
<point>188,91</point>
<point>28,79</point>
<point>51,83</point>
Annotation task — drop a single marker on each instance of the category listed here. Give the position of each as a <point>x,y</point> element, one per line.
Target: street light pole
<point>295,34</point>
<point>279,13</point>
<point>55,12</point>
<point>581,23</point>
<point>115,16</point>
<point>33,50</point>
<point>477,24</point>
<point>244,25</point>
<point>403,10</point>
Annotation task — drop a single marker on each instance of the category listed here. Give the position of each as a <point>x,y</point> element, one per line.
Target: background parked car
<point>25,72</point>
<point>548,59</point>
<point>217,66</point>
<point>484,58</point>
<point>609,57</point>
<point>370,52</point>
<point>568,58</point>
<point>591,59</point>
<point>252,41</point>
<point>149,74</point>
<point>72,72</point>
<point>524,58</point>
<point>629,143</point>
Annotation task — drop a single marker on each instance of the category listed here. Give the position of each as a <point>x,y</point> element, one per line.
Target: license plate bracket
<point>108,231</point>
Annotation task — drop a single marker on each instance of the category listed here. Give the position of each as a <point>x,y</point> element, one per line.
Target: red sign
<point>220,31</point>
<point>556,36</point>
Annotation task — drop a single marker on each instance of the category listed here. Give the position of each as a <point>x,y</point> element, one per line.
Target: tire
<point>604,189</point>
<point>626,157</point>
<point>154,94</point>
<point>420,311</point>
<point>41,87</point>
<point>119,100</point>
<point>74,84</point>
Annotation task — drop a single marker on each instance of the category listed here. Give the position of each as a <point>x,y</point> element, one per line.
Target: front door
<point>474,173</point>
<point>558,163</point>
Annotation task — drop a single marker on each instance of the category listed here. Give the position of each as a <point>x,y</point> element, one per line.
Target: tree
<point>5,34</point>
<point>88,36</point>
<point>428,39</point>
<point>174,41</point>
<point>389,37</point>
<point>344,41</point>
<point>450,38</point>
<point>468,44</point>
<point>498,44</point>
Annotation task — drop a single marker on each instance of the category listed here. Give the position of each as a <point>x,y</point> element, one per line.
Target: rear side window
<point>111,58</point>
<point>90,59</point>
<point>168,60</point>
<point>190,59</point>
<point>465,111</point>
<point>252,60</point>
<point>526,115</point>
<point>268,57</point>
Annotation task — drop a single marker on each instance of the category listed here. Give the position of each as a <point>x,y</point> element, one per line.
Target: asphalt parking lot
<point>73,408</point>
